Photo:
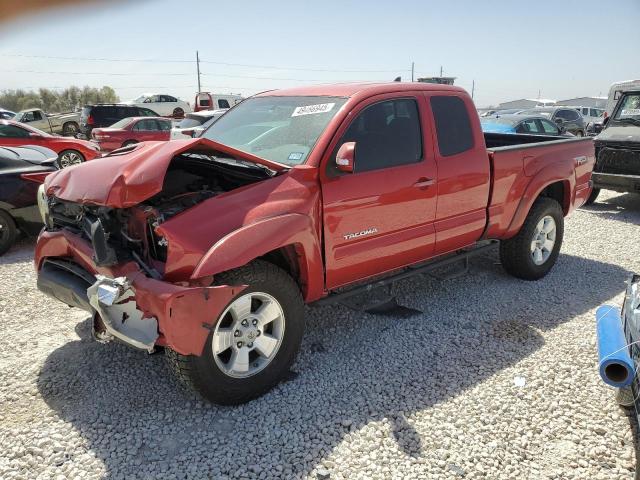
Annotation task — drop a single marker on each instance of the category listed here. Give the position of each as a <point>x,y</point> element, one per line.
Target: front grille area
<point>618,160</point>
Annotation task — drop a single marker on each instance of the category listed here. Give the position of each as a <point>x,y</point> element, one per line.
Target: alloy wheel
<point>248,335</point>
<point>544,239</point>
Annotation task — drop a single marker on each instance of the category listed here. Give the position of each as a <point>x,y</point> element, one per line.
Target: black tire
<point>129,142</point>
<point>8,232</point>
<point>70,129</point>
<point>75,158</point>
<point>178,113</point>
<point>593,196</point>
<point>203,374</point>
<point>516,254</point>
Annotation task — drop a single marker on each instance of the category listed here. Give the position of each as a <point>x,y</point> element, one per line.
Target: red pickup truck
<point>211,247</point>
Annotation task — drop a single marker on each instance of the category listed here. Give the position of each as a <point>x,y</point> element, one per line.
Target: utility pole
<point>198,67</point>
<point>412,69</point>
<point>440,71</point>
<point>473,88</point>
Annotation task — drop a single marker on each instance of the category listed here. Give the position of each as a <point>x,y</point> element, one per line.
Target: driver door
<point>381,216</point>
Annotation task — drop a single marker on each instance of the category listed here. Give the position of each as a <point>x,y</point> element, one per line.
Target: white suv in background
<point>193,124</point>
<point>163,105</point>
<point>591,114</point>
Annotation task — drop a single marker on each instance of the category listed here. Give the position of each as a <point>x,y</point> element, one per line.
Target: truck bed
<point>516,162</point>
<point>506,140</point>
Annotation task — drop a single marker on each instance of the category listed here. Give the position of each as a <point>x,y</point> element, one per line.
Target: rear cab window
<point>453,125</point>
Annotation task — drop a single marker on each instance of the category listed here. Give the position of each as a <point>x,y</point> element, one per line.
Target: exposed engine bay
<point>129,234</point>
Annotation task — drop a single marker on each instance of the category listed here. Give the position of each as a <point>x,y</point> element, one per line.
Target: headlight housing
<point>43,205</point>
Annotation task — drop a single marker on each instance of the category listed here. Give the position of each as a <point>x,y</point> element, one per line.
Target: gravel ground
<point>496,379</point>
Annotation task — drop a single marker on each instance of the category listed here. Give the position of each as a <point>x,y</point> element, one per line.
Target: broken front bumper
<point>133,308</point>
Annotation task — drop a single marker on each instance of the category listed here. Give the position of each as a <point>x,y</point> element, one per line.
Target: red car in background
<point>71,151</point>
<point>131,130</point>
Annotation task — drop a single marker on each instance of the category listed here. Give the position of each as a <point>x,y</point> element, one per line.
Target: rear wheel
<point>178,113</point>
<point>8,231</point>
<point>68,158</point>
<point>254,341</point>
<point>593,196</point>
<point>534,250</point>
<point>70,129</point>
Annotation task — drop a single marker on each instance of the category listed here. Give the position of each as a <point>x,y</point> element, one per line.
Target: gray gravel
<point>496,379</point>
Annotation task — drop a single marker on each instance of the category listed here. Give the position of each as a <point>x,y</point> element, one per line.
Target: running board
<point>465,255</point>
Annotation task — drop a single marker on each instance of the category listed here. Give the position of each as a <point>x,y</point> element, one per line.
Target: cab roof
<point>351,89</point>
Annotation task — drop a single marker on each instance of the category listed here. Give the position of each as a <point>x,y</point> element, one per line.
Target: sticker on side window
<point>311,109</point>
<point>630,112</point>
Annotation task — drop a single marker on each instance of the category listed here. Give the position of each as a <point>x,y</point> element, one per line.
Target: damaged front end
<point>117,314</point>
<point>111,260</point>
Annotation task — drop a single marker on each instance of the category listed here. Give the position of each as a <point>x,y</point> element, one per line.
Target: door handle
<point>424,182</point>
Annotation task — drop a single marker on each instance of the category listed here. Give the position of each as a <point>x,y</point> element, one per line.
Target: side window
<point>549,127</point>
<point>146,125</point>
<point>387,134</point>
<point>28,117</point>
<point>37,116</point>
<point>11,131</point>
<point>453,126</point>
<point>168,98</point>
<point>222,103</point>
<point>164,125</point>
<point>529,126</point>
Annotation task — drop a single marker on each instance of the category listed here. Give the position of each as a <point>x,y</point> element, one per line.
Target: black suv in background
<point>618,149</point>
<point>567,117</point>
<point>106,114</point>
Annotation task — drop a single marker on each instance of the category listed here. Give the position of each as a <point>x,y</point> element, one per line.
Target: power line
<point>129,74</point>
<point>229,64</point>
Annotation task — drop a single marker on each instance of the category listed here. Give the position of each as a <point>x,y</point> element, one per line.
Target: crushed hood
<point>122,180</point>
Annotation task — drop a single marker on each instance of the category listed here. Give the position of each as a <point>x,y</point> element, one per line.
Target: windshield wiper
<point>630,121</point>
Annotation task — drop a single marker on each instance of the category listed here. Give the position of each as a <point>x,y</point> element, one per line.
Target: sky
<point>509,49</point>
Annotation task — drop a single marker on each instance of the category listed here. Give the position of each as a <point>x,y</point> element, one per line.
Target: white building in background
<point>593,102</point>
<point>527,103</point>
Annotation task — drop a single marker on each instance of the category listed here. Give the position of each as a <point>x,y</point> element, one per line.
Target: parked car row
<point>70,151</point>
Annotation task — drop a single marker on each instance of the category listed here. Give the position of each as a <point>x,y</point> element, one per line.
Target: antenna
<point>198,67</point>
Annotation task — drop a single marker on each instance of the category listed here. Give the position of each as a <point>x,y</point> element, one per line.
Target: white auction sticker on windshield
<point>630,112</point>
<point>311,109</point>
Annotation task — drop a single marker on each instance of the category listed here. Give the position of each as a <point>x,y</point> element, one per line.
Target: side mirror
<point>605,121</point>
<point>188,133</point>
<point>559,121</point>
<point>346,156</point>
<point>562,129</point>
<point>34,135</point>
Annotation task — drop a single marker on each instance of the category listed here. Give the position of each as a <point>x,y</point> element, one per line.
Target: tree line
<point>67,100</point>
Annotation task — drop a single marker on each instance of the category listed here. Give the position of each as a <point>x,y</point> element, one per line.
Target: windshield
<point>121,123</point>
<point>140,99</point>
<point>190,122</point>
<point>280,129</point>
<point>628,110</point>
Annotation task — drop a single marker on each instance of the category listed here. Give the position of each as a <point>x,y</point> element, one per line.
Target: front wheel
<point>592,196</point>
<point>254,341</point>
<point>68,158</point>
<point>532,253</point>
<point>8,232</point>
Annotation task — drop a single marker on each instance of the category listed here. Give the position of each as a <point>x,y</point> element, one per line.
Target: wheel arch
<point>556,181</point>
<point>287,241</point>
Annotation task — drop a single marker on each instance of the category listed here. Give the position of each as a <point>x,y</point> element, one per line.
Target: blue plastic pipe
<point>614,362</point>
